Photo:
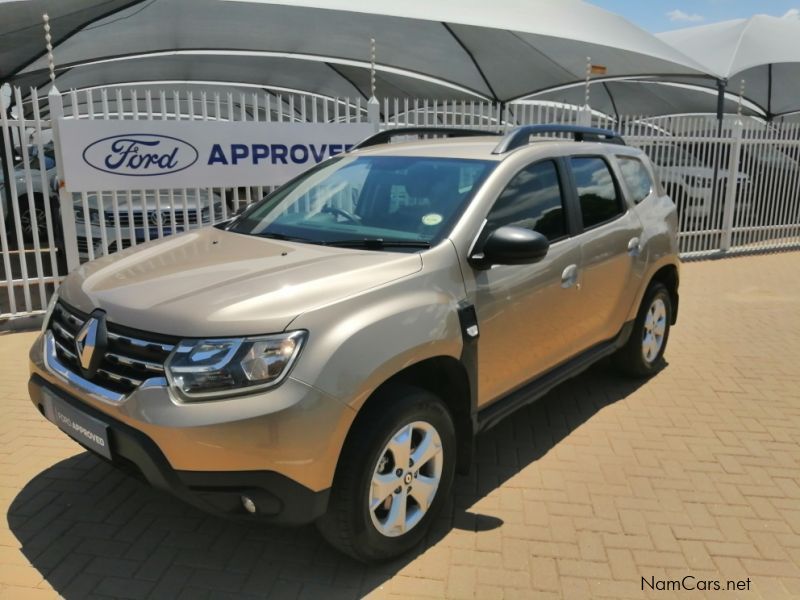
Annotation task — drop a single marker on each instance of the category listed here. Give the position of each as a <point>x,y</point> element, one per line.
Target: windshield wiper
<point>368,243</point>
<point>378,243</point>
<point>286,238</point>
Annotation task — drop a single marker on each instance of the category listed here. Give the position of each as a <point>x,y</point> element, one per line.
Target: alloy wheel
<point>405,479</point>
<point>655,326</point>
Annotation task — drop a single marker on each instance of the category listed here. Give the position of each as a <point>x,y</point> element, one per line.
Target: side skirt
<point>530,392</point>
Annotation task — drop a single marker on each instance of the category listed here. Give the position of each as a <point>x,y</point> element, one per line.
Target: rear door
<point>610,246</point>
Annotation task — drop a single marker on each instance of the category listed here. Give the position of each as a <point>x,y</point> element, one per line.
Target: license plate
<point>87,430</point>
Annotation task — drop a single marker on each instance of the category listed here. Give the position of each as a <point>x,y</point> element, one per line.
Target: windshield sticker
<point>431,219</point>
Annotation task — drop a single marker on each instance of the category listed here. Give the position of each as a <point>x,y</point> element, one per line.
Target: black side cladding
<point>470,333</point>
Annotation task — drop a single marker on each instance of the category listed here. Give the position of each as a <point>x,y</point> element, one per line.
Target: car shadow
<point>91,530</point>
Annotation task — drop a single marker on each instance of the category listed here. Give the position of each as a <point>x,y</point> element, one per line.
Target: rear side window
<point>597,192</point>
<point>636,177</point>
<point>532,200</point>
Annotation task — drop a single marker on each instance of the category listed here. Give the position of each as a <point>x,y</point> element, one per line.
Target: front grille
<point>83,245</point>
<point>131,356</point>
<point>181,219</point>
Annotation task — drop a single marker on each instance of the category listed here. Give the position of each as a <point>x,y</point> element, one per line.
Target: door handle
<point>634,246</point>
<point>569,276</point>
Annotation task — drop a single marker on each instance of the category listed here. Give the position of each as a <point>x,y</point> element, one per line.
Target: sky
<point>664,15</point>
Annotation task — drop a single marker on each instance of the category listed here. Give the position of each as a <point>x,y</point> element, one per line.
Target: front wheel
<point>643,354</point>
<point>394,475</point>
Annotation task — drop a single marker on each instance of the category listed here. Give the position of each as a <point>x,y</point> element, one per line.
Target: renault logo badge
<point>90,343</point>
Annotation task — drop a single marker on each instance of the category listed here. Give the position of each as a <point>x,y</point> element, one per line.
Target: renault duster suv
<point>330,354</point>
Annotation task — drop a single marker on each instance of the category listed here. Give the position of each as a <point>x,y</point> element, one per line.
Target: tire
<point>367,535</point>
<point>639,357</point>
<point>26,221</point>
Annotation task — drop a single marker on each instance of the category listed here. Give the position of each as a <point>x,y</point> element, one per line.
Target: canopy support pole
<point>722,85</point>
<point>613,102</point>
<point>769,93</point>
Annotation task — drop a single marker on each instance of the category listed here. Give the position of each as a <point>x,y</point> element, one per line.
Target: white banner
<point>101,155</point>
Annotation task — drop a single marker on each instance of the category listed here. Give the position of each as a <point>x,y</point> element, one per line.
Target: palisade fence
<point>737,187</point>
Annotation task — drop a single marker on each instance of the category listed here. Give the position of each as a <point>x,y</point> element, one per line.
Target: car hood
<point>212,282</point>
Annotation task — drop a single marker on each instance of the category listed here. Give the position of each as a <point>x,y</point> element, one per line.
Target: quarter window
<point>597,192</point>
<point>533,200</point>
<point>636,177</point>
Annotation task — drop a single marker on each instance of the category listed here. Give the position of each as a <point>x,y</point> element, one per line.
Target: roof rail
<point>384,137</point>
<point>520,136</point>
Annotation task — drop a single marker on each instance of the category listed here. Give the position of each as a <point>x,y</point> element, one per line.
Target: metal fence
<point>737,186</point>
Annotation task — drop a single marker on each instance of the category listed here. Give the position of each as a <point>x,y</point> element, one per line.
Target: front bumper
<point>277,498</point>
<point>279,448</point>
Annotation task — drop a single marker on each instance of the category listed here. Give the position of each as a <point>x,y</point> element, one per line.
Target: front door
<point>526,313</point>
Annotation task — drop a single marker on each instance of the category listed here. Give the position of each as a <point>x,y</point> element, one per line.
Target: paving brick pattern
<point>695,472</point>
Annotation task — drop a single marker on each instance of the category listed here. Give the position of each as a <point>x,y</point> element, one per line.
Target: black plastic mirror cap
<point>511,245</point>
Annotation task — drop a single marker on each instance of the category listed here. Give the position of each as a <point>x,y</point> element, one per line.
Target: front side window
<point>351,200</point>
<point>636,176</point>
<point>533,200</point>
<point>597,191</point>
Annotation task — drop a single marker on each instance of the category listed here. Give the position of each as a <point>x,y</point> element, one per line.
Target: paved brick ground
<point>696,472</point>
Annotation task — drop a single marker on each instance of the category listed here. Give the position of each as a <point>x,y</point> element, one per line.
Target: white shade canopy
<point>275,72</point>
<point>763,51</point>
<point>648,98</point>
<point>22,35</point>
<point>504,49</point>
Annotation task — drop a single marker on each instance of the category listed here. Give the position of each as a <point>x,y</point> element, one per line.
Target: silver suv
<point>330,354</point>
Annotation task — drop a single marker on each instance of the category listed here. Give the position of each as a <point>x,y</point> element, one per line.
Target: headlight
<point>51,306</point>
<point>214,368</point>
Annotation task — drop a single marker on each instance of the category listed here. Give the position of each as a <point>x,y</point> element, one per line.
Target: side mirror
<point>511,245</point>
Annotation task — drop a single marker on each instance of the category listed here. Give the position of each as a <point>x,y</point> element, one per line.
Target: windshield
<point>350,200</point>
<point>35,163</point>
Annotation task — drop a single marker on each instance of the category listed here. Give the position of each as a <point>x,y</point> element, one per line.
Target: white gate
<point>737,187</point>
<point>32,261</point>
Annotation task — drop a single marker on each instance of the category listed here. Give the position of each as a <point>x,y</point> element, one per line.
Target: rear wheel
<point>393,477</point>
<point>643,354</point>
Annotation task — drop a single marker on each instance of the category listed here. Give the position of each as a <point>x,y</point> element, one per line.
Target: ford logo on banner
<point>140,154</point>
